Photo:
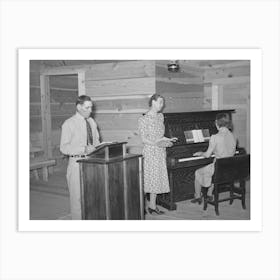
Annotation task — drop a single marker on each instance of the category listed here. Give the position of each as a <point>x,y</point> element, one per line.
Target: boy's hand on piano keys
<point>198,154</point>
<point>173,139</point>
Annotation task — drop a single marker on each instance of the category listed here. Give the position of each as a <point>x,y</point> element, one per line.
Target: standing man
<point>79,137</point>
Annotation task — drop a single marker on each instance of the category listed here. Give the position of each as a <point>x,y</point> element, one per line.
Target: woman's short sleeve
<point>211,147</point>
<point>141,127</point>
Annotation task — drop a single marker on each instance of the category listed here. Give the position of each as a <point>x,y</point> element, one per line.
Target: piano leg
<point>165,201</point>
<point>231,193</point>
<point>243,193</point>
<point>204,195</point>
<point>216,199</point>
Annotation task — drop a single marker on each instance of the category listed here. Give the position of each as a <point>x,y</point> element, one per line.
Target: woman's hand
<point>173,139</point>
<point>164,142</point>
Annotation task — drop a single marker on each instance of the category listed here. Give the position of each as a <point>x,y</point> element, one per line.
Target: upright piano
<point>193,130</point>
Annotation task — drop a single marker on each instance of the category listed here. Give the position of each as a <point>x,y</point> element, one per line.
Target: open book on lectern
<point>105,143</point>
<point>108,149</point>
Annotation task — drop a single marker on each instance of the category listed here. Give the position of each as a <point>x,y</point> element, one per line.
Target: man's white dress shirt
<point>73,142</point>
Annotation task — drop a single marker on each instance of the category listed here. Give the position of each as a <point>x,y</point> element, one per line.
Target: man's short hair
<point>82,99</point>
<point>223,120</point>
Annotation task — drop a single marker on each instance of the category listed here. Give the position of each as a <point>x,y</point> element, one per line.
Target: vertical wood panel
<point>220,96</point>
<point>116,191</point>
<point>107,192</point>
<point>94,197</point>
<point>215,97</point>
<point>134,197</point>
<point>46,115</point>
<point>81,83</point>
<point>207,100</point>
<point>125,186</point>
<point>237,96</point>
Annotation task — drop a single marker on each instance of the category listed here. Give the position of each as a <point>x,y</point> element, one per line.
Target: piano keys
<point>197,158</point>
<point>181,163</point>
<point>191,158</point>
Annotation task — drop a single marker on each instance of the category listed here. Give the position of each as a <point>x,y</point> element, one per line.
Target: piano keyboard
<point>191,158</point>
<point>196,158</point>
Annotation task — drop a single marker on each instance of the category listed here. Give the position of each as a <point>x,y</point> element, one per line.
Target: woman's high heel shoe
<point>156,211</point>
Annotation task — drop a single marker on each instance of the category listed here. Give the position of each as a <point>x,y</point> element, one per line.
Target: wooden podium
<point>112,184</point>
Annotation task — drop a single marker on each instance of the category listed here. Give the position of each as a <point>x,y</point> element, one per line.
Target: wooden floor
<point>50,201</point>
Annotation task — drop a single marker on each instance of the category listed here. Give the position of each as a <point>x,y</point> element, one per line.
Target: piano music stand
<point>112,184</point>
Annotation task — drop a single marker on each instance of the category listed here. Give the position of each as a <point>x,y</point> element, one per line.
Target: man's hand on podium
<point>89,149</point>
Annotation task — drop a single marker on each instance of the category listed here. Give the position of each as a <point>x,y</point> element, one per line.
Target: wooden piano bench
<point>228,171</point>
<point>41,164</point>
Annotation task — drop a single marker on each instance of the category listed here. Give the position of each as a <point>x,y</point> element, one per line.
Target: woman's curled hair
<point>155,97</point>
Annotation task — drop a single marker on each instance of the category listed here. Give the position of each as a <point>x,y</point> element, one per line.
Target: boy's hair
<point>82,99</point>
<point>155,97</point>
<point>223,120</point>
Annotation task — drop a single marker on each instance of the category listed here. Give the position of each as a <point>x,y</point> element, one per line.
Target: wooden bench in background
<point>41,164</point>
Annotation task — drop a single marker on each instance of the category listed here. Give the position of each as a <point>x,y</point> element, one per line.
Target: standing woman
<point>151,128</point>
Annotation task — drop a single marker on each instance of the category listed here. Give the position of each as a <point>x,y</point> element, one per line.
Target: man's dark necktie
<point>89,134</point>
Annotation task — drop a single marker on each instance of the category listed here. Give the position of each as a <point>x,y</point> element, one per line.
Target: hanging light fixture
<point>173,66</point>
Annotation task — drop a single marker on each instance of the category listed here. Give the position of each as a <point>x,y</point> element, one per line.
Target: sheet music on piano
<point>197,135</point>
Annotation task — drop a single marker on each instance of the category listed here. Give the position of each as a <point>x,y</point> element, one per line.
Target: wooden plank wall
<point>120,92</point>
<point>200,84</point>
<point>63,94</point>
<point>237,96</point>
<point>233,82</point>
<point>184,90</point>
